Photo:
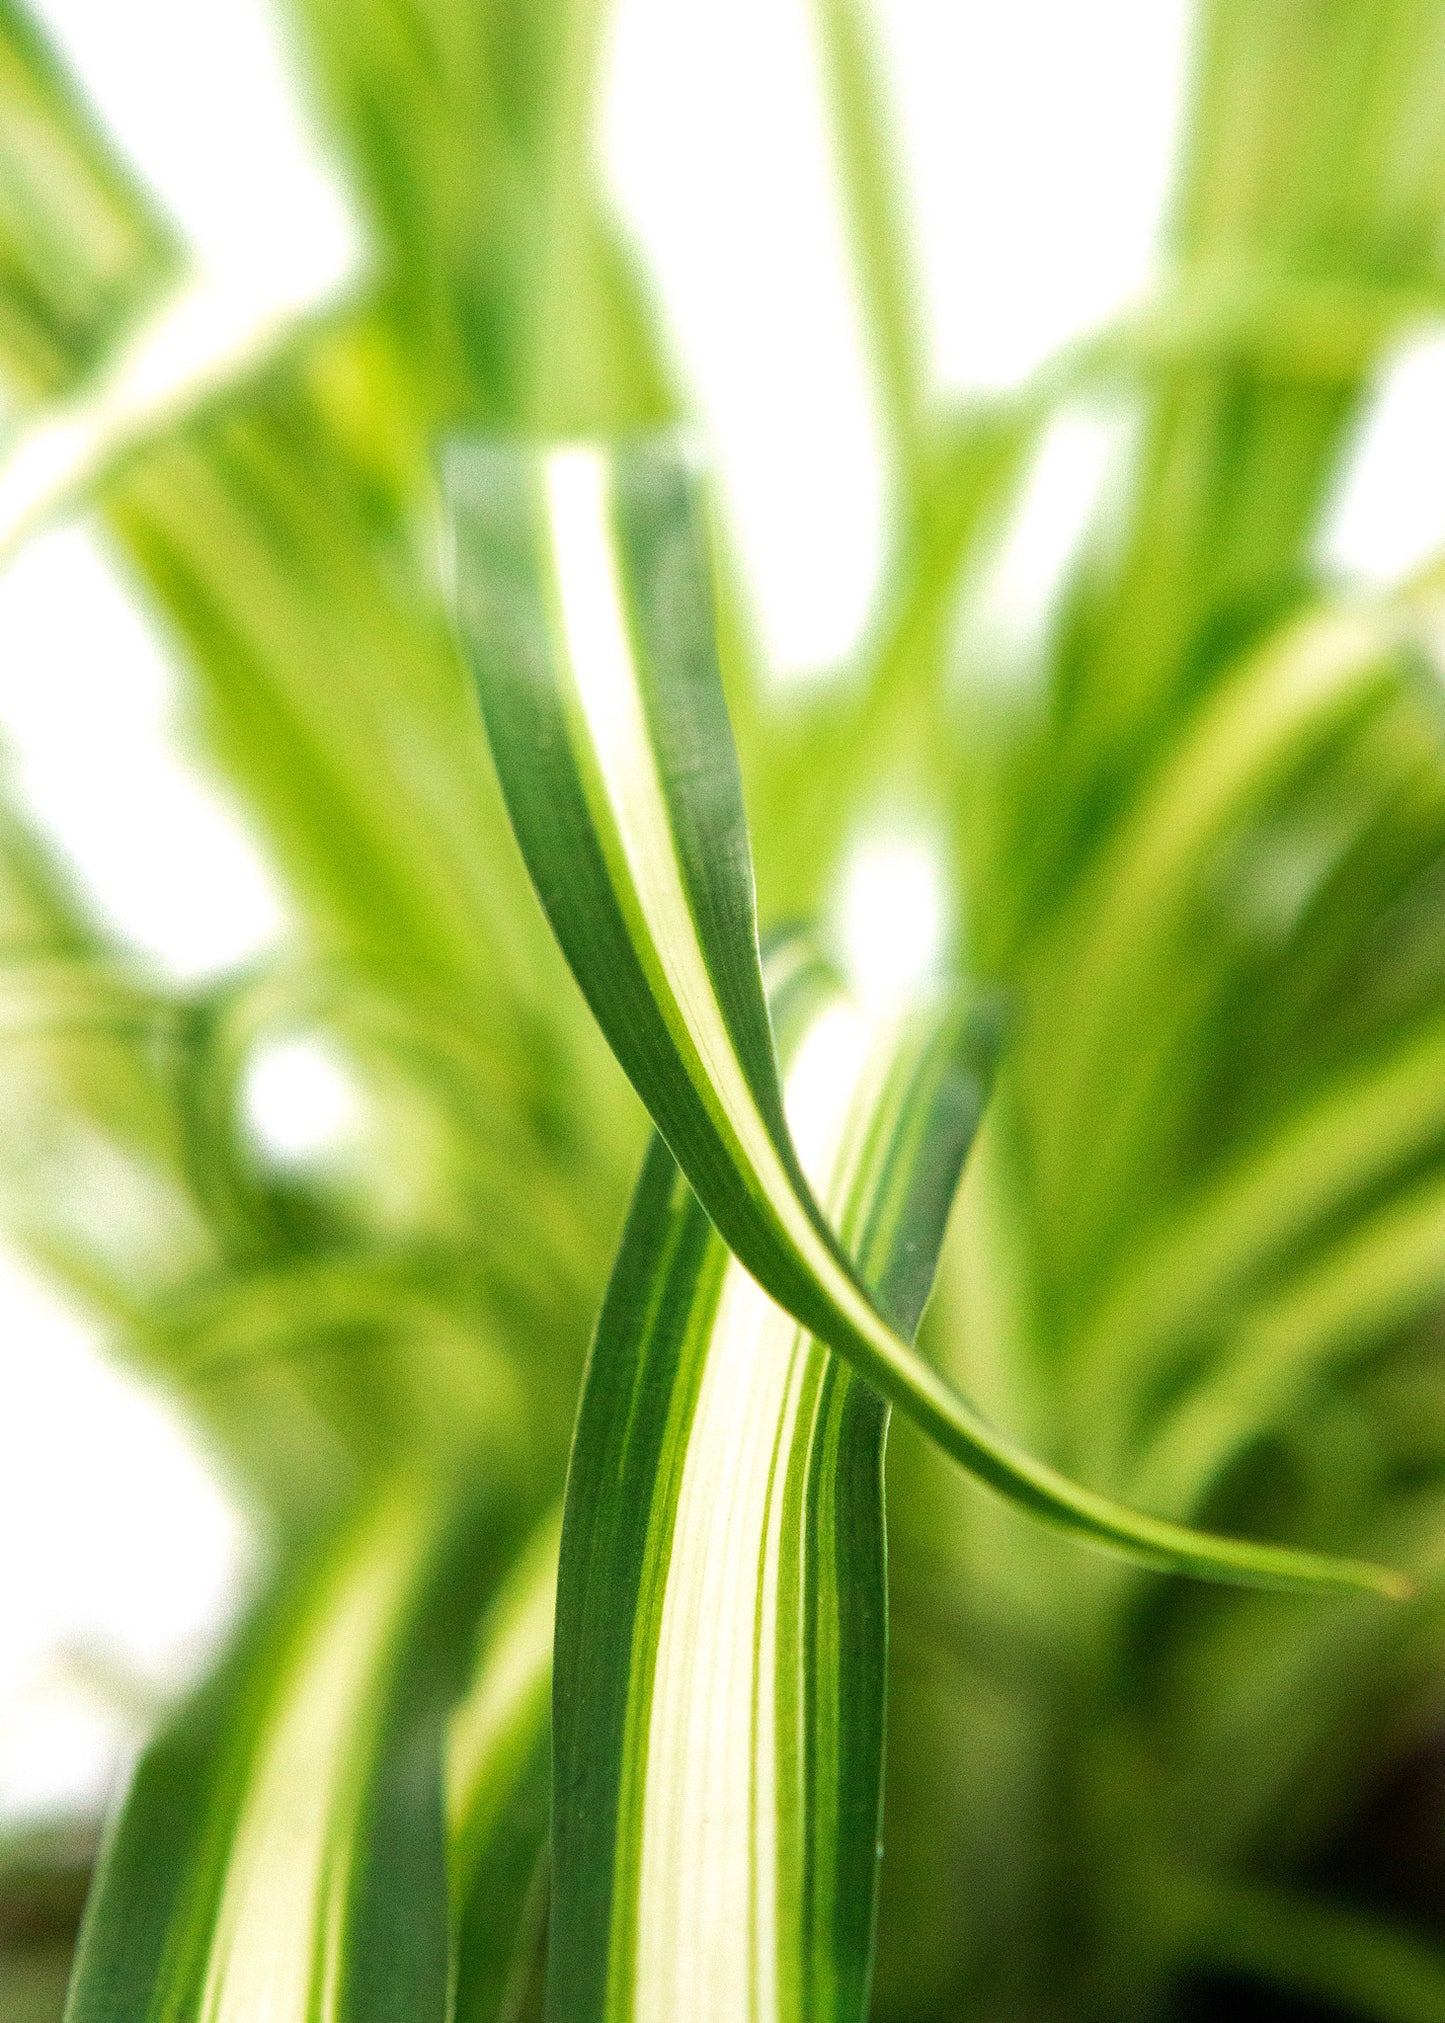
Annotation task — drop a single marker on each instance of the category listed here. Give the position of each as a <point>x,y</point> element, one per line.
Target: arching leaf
<point>582,586</point>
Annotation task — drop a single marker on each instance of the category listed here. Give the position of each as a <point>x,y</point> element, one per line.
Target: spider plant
<point>569,1687</point>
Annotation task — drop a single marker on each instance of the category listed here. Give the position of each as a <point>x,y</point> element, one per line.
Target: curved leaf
<point>582,585</point>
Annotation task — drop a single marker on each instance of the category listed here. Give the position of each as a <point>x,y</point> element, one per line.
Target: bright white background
<point>1036,138</point>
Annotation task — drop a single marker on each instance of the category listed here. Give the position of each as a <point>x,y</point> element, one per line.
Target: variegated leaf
<point>280,1857</point>
<point>582,586</point>
<point>721,1626</point>
<point>499,1776</point>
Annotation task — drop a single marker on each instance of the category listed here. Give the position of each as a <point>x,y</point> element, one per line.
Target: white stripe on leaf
<point>278,1949</point>
<point>710,1924</point>
<point>599,658</point>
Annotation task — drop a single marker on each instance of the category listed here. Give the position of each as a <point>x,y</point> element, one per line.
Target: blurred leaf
<point>470,130</point>
<point>78,253</point>
<point>281,1852</point>
<point>870,179</point>
<point>44,1874</point>
<point>499,1787</point>
<point>1359,1966</point>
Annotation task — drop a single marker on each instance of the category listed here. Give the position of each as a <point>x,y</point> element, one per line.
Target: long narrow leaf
<point>582,583</point>
<point>499,1780</point>
<point>80,248</point>
<point>721,1602</point>
<point>281,1852</point>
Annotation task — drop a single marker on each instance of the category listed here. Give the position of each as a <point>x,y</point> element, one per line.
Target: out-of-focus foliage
<point>1193,815</point>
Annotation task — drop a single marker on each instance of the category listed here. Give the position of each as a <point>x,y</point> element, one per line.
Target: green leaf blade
<point>582,589</point>
<point>498,1788</point>
<point>721,1623</point>
<point>281,1852</point>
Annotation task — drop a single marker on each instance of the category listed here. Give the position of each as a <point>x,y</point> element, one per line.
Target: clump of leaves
<point>1174,1121</point>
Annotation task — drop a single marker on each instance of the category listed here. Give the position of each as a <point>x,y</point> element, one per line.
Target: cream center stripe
<point>514,1666</point>
<point>707,1904</point>
<point>599,655</point>
<point>276,1956</point>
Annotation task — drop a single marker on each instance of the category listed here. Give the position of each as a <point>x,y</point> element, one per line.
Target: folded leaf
<point>280,1854</point>
<point>721,1619</point>
<point>582,586</point>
